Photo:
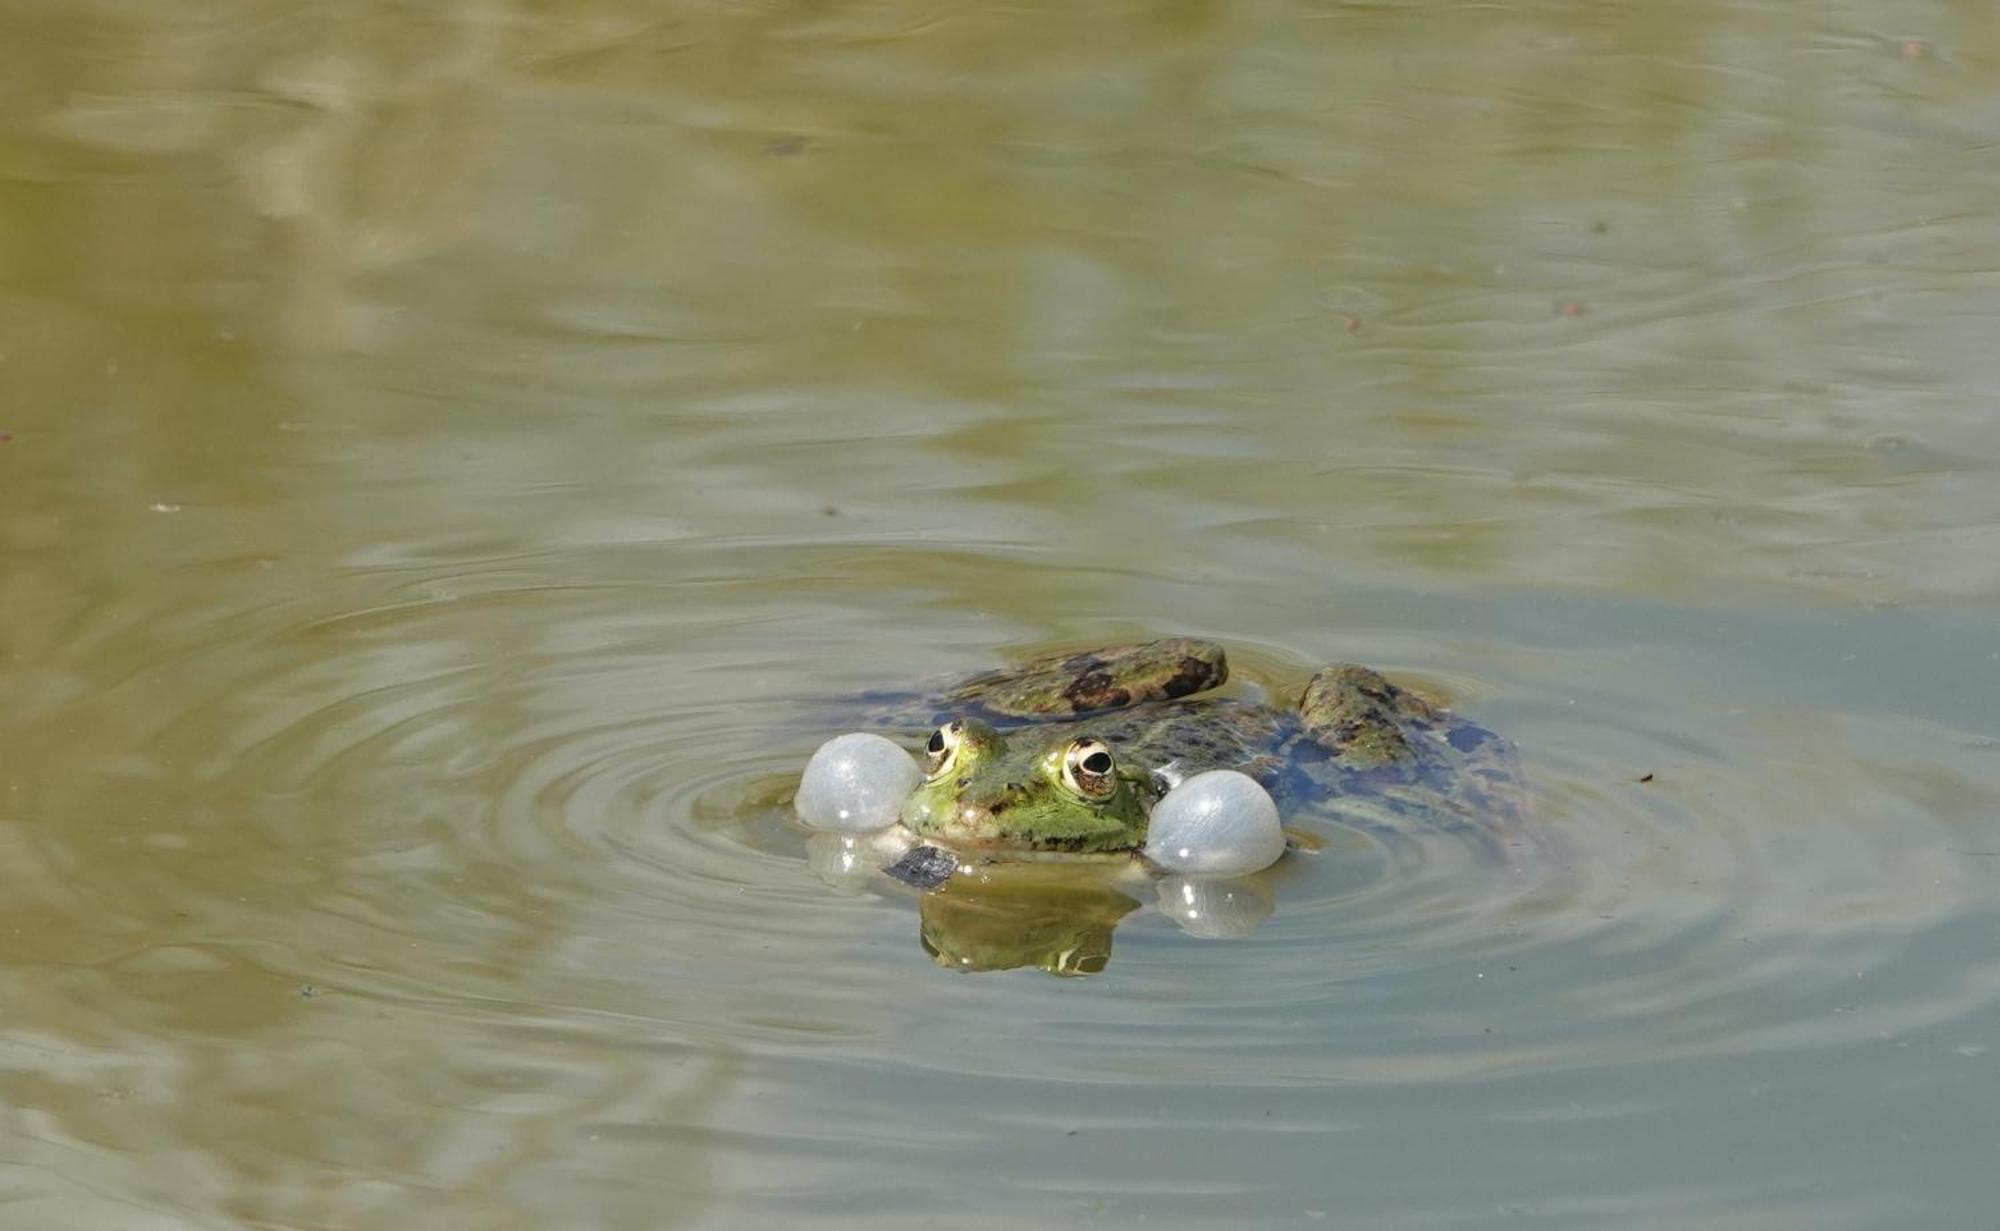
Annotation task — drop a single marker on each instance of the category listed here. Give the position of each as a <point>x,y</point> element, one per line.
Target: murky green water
<point>442,449</point>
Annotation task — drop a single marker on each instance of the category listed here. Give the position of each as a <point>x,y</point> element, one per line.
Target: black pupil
<point>1098,762</point>
<point>937,741</point>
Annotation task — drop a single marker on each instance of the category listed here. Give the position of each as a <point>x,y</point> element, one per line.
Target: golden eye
<point>942,747</point>
<point>1088,769</point>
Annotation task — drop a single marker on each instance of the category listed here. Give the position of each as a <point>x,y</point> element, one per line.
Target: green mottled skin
<point>1002,788</point>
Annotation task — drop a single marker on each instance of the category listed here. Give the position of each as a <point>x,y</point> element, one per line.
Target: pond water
<point>446,453</point>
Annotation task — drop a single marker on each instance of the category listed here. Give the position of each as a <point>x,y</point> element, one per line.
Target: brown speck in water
<point>1352,324</point>
<point>1913,50</point>
<point>785,147</point>
<point>1646,777</point>
<point>1572,308</point>
<point>830,511</point>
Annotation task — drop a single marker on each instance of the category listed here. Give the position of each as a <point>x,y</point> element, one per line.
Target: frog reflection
<point>1064,929</point>
<point>1056,917</point>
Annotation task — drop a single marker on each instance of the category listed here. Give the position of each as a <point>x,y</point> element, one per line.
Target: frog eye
<point>1089,770</point>
<point>942,747</point>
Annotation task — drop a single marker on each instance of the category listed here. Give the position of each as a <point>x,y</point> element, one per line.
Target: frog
<point>1063,756</point>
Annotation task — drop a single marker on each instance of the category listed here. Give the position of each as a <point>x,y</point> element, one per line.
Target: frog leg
<point>1363,721</point>
<point>1069,683</point>
<point>924,867</point>
<point>1060,685</point>
<point>1398,741</point>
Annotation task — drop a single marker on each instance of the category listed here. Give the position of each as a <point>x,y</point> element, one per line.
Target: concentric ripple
<point>543,767</point>
<point>535,843</point>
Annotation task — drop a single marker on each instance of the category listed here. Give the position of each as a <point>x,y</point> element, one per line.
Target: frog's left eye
<point>942,747</point>
<point>1089,770</point>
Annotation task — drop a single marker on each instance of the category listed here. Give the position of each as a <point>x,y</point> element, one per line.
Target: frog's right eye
<point>942,747</point>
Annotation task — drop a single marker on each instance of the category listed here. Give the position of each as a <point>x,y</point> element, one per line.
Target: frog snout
<point>990,802</point>
<point>972,808</point>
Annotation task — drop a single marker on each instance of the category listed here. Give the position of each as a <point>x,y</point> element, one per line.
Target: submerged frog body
<point>1067,754</point>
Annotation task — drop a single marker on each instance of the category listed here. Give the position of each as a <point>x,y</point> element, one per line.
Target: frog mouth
<point>926,866</point>
<point>1001,850</point>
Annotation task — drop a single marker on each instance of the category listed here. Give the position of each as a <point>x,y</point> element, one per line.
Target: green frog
<point>1065,755</point>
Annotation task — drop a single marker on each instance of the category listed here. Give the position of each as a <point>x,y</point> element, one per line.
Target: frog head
<point>1032,792</point>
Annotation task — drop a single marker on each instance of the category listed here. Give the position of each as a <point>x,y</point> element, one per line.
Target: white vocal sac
<point>856,783</point>
<point>1220,823</point>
